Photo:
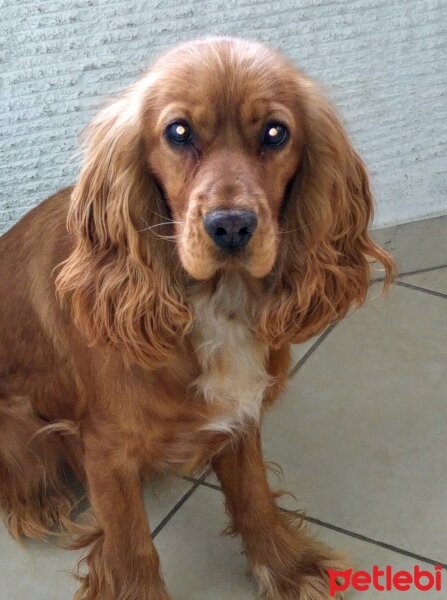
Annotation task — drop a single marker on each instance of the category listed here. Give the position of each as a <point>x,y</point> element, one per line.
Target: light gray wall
<point>383,62</point>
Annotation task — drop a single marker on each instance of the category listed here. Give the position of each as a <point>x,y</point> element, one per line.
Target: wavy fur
<point>326,252</point>
<point>120,279</point>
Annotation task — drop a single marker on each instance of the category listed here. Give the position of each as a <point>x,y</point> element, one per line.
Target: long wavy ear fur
<point>324,265</point>
<point>120,277</point>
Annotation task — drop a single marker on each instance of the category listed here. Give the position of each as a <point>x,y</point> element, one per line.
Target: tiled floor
<point>361,434</point>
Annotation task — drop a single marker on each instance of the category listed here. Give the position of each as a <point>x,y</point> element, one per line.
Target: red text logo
<point>385,579</point>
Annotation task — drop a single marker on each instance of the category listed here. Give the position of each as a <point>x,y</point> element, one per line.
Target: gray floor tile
<point>41,571</point>
<point>415,245</point>
<point>198,562</point>
<point>297,351</point>
<point>435,280</point>
<point>360,432</point>
<point>35,570</point>
<point>201,564</point>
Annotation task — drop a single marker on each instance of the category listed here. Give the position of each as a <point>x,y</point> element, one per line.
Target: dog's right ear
<point>324,266</point>
<point>120,277</point>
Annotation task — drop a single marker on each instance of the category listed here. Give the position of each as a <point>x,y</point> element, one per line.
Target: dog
<point>146,313</point>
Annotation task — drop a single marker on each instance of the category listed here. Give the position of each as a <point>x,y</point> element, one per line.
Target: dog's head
<point>222,156</point>
<point>224,137</point>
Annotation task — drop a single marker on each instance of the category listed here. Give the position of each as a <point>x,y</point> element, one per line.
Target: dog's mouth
<point>232,255</point>
<point>237,259</point>
<point>231,259</point>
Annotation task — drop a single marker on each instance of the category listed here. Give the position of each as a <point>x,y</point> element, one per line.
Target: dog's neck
<point>232,359</point>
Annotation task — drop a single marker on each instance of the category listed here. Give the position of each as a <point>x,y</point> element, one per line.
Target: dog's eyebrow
<point>263,109</point>
<point>170,112</point>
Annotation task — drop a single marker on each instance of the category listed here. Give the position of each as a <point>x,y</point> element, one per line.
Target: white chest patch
<point>233,362</point>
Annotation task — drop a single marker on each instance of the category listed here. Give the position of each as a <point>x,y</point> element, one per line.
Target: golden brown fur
<point>130,345</point>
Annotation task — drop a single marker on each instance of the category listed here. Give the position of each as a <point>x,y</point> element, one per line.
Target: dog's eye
<point>178,132</point>
<point>275,134</point>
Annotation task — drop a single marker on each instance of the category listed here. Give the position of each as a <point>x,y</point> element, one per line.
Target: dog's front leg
<point>286,561</point>
<point>123,563</point>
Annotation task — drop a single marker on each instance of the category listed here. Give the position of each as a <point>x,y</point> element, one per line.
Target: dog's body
<point>165,349</point>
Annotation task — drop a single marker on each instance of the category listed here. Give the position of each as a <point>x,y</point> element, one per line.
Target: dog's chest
<point>233,373</point>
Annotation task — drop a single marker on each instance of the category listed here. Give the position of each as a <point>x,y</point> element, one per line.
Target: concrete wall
<point>383,63</point>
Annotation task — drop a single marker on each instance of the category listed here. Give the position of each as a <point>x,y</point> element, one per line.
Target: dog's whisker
<point>150,227</point>
<point>168,238</point>
<point>168,219</point>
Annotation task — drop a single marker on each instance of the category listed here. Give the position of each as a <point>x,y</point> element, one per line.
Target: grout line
<point>408,273</point>
<point>311,350</point>
<point>213,486</point>
<point>191,479</point>
<point>420,289</point>
<point>421,271</point>
<point>365,538</point>
<point>177,506</point>
<point>352,534</point>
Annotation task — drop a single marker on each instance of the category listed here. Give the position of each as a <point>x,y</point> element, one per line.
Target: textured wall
<point>382,61</point>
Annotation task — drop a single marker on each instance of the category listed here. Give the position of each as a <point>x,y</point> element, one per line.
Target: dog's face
<point>223,138</point>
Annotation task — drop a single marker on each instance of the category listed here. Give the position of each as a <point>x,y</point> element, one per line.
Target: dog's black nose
<point>230,229</point>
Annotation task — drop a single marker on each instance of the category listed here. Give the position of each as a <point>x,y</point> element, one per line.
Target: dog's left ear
<point>324,263</point>
<point>120,278</point>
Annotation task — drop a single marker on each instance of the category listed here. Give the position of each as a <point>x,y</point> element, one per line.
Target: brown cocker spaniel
<point>146,313</point>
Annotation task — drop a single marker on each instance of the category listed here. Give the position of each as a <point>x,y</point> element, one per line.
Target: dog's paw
<point>310,577</point>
